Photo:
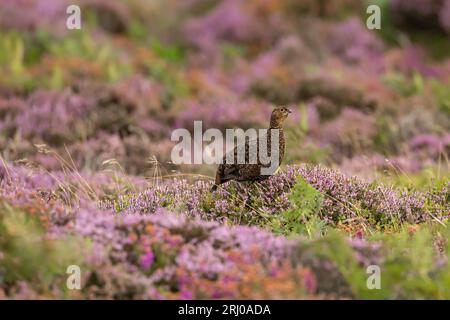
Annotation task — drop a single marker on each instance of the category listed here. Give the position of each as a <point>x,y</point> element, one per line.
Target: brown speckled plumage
<point>252,172</point>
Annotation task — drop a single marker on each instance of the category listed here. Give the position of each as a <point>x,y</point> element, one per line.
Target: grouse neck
<point>276,126</point>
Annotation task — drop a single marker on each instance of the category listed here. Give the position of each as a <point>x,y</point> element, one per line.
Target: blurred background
<point>374,103</point>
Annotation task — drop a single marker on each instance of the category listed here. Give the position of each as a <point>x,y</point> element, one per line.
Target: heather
<point>165,242</point>
<point>86,176</point>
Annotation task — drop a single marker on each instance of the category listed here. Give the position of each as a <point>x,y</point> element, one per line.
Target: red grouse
<point>252,171</point>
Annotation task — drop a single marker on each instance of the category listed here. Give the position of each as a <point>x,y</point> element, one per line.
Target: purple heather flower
<point>186,295</point>
<point>444,16</point>
<point>355,43</point>
<point>310,281</point>
<point>414,60</point>
<point>34,14</point>
<point>146,260</point>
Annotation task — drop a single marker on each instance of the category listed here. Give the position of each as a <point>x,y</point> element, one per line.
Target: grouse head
<point>279,114</point>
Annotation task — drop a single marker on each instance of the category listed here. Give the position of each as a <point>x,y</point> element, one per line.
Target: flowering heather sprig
<point>355,43</point>
<point>350,133</point>
<point>234,21</point>
<point>432,145</point>
<point>145,251</point>
<point>166,254</point>
<point>70,102</point>
<point>414,60</point>
<point>346,198</point>
<point>370,166</point>
<point>174,251</point>
<point>366,253</point>
<point>26,15</point>
<point>69,119</point>
<point>52,115</point>
<point>225,21</point>
<point>439,200</point>
<point>352,198</point>
<point>220,114</point>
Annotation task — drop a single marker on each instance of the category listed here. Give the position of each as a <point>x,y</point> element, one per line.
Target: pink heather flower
<point>226,21</point>
<point>274,271</point>
<point>354,42</point>
<point>359,235</point>
<point>310,281</point>
<point>147,260</point>
<point>186,295</point>
<point>413,60</point>
<point>25,15</point>
<point>217,294</point>
<point>444,16</point>
<point>430,141</point>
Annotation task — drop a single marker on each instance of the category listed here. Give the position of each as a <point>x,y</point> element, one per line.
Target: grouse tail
<point>218,179</point>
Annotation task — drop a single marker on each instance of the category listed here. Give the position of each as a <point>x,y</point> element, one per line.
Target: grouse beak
<point>289,110</point>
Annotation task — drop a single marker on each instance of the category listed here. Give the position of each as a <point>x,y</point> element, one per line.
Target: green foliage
<point>56,80</point>
<point>83,46</point>
<point>28,254</point>
<point>412,267</point>
<point>304,119</point>
<point>137,31</point>
<point>12,55</point>
<point>441,94</point>
<point>403,85</point>
<point>173,54</point>
<point>425,180</point>
<point>304,216</point>
<point>309,152</point>
<point>171,77</point>
<point>36,46</point>
<point>335,247</point>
